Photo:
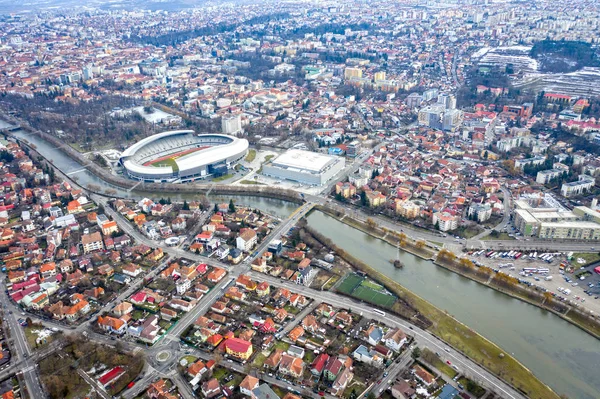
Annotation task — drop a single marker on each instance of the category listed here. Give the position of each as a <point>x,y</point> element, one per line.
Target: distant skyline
<point>11,6</point>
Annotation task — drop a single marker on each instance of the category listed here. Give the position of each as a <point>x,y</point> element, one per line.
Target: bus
<point>379,312</point>
<point>517,256</point>
<point>530,270</point>
<point>542,270</point>
<point>489,254</point>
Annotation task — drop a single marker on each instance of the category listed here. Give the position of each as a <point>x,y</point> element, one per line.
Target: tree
<point>216,209</point>
<point>371,224</point>
<point>363,198</point>
<point>416,353</point>
<point>420,244</point>
<point>231,206</point>
<point>185,206</point>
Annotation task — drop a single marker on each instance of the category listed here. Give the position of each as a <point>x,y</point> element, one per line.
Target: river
<point>559,353</point>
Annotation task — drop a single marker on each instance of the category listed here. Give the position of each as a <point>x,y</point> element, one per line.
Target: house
<point>238,348</point>
<point>109,228</point>
<point>424,376</point>
<point>264,392</point>
<point>263,289</point>
<point>374,334</point>
<point>92,242</point>
<point>248,385</point>
<point>196,368</point>
<point>272,362</point>
<point>317,366</point>
<point>332,368</point>
<point>363,354</point>
<point>448,392</point>
<point>306,276</point>
<point>159,390</point>
<point>246,240</point>
<point>211,388</point>
<point>291,365</point>
<point>296,333</point>
<point>132,270</point>
<point>402,390</point>
<point>112,324</point>
<point>122,309</point>
<point>341,382</point>
<point>394,339</point>
<point>48,270</point>
<point>216,275</point>
<point>78,309</point>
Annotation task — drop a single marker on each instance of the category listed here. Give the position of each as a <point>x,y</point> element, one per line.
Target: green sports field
<point>166,162</point>
<point>366,290</point>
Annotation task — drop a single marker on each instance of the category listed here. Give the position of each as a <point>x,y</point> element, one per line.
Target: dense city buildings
<point>143,147</point>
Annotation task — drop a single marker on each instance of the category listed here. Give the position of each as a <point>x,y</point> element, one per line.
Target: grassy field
<point>351,281</point>
<point>500,236</point>
<point>166,162</point>
<point>366,290</point>
<point>252,182</point>
<point>375,297</point>
<point>224,177</point>
<point>436,362</point>
<point>251,155</point>
<point>590,257</point>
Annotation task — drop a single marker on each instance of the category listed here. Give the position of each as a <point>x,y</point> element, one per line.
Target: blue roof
<point>448,392</point>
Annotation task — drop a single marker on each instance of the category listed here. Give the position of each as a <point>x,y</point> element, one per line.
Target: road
<point>507,203</point>
<point>393,370</point>
<point>20,351</point>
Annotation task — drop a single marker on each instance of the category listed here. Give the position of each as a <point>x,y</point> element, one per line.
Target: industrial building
<point>304,167</point>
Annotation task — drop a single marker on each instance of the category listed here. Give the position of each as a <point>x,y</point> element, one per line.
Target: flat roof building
<point>305,167</point>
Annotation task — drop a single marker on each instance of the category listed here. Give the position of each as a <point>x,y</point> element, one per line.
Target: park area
<point>366,290</point>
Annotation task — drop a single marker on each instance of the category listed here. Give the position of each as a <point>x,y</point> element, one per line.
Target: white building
<point>305,167</point>
<point>445,221</point>
<point>481,212</point>
<point>544,176</point>
<point>246,240</point>
<point>583,184</point>
<point>183,284</point>
<point>231,124</point>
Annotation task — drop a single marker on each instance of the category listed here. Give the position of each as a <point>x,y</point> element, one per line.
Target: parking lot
<point>590,299</point>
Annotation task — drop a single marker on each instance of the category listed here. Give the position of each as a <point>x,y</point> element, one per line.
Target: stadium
<point>182,156</point>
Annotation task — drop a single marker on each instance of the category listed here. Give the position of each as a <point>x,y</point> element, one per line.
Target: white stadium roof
<point>303,160</point>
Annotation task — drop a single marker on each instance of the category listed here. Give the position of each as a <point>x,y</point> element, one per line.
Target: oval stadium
<point>182,156</point>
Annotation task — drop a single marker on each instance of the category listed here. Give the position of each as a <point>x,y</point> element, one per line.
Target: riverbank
<point>489,279</point>
<point>511,287</point>
<point>391,237</point>
<point>128,184</point>
<point>450,330</point>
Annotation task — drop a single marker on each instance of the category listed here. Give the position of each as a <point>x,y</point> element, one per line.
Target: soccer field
<point>375,297</point>
<point>350,283</point>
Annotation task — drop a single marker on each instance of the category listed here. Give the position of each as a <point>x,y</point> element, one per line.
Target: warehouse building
<point>305,167</point>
